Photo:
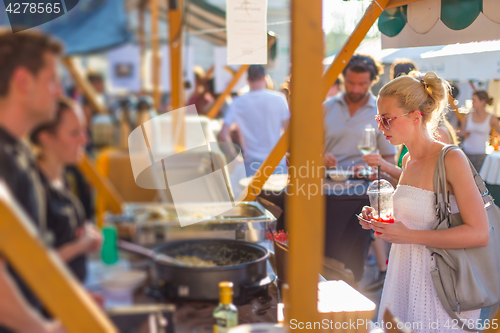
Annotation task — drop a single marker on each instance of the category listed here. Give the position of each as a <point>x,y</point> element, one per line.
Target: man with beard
<point>347,115</point>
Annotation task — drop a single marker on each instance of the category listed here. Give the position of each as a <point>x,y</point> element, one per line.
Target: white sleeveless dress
<point>408,289</point>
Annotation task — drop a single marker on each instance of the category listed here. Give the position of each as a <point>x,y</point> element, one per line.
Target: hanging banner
<point>246,24</point>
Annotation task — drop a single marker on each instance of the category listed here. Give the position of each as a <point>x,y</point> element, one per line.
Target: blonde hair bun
<point>428,94</point>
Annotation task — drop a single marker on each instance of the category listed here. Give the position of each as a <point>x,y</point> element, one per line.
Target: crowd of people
<point>410,132</point>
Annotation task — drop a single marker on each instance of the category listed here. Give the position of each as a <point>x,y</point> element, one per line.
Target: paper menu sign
<point>246,23</point>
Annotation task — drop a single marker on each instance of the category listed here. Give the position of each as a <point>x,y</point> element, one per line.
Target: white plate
<point>123,280</point>
<point>339,175</point>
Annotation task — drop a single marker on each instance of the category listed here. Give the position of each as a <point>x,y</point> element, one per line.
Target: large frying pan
<point>242,263</point>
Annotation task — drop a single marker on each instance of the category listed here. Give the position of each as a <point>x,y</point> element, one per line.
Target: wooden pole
<point>176,68</point>
<point>371,15</point>
<point>45,274</point>
<point>155,45</point>
<point>101,184</point>
<point>210,72</point>
<point>267,168</point>
<point>83,85</point>
<point>142,43</point>
<point>398,3</point>
<point>214,110</point>
<point>472,85</point>
<point>451,101</point>
<point>305,208</point>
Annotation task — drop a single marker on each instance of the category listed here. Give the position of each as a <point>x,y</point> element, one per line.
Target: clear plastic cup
<point>381,197</point>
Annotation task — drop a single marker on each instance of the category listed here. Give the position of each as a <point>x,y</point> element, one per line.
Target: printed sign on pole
<point>246,23</point>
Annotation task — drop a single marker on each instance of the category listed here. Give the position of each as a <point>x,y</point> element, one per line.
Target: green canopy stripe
<point>455,14</point>
<point>392,21</point>
<point>459,14</point>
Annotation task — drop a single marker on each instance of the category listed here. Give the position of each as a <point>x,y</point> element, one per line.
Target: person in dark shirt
<point>60,143</point>
<point>29,90</point>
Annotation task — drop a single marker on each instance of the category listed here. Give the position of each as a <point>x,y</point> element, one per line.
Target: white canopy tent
<point>458,62</point>
<point>478,61</point>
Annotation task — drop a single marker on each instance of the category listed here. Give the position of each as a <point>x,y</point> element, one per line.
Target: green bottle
<point>226,313</point>
<point>109,253</point>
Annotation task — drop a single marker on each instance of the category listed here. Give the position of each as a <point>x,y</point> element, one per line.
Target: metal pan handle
<point>135,248</point>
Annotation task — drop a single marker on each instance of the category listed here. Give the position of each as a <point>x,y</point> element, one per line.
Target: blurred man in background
<point>29,90</point>
<point>261,115</point>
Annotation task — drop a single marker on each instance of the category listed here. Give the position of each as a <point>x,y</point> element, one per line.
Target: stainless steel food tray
<point>248,221</point>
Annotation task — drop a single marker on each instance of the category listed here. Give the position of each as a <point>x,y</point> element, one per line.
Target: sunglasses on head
<point>385,121</point>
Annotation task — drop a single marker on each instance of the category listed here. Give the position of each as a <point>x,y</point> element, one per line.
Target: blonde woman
<point>406,106</point>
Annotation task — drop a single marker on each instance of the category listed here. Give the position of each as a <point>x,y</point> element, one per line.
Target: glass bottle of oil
<point>226,313</point>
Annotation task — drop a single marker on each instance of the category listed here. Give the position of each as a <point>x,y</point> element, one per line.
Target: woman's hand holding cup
<point>366,213</point>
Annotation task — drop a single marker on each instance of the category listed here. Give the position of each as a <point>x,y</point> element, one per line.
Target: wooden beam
<point>273,159</point>
<point>230,70</point>
<point>141,36</point>
<point>155,46</point>
<point>83,85</point>
<point>451,101</point>
<point>305,204</point>
<point>214,110</point>
<point>176,67</point>
<point>210,72</point>
<point>397,3</point>
<point>267,168</point>
<point>101,184</point>
<point>472,85</point>
<point>371,15</point>
<point>45,274</point>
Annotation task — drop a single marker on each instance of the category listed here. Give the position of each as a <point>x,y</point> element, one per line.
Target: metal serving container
<point>150,224</point>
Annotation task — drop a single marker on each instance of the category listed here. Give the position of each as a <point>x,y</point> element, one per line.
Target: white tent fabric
<point>461,62</point>
<point>491,8</point>
<point>423,15</point>
<point>481,29</point>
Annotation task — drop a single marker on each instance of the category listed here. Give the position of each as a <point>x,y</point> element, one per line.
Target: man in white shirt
<point>261,115</point>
